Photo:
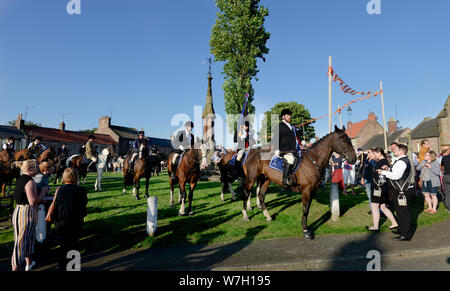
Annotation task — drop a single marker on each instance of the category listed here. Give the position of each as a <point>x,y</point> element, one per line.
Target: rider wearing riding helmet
<point>36,148</point>
<point>185,141</point>
<point>10,147</point>
<point>136,147</point>
<point>245,140</point>
<point>288,145</point>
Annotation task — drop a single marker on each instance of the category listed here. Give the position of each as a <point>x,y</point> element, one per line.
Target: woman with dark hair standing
<point>379,195</point>
<point>24,217</point>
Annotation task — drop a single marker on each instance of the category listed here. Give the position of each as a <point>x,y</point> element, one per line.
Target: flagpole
<point>329,95</point>
<point>384,119</point>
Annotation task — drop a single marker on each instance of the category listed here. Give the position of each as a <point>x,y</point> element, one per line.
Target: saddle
<point>233,159</point>
<point>276,163</point>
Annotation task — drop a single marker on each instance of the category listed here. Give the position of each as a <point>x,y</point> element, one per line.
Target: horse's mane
<point>319,141</point>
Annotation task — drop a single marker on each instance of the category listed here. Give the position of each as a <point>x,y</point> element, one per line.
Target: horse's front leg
<point>136,189</point>
<point>306,199</point>
<point>260,197</point>
<point>171,193</point>
<point>246,199</point>
<point>182,197</point>
<point>191,196</point>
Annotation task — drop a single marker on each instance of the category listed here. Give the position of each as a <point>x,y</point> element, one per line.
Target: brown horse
<point>143,167</point>
<point>188,170</point>
<point>307,179</point>
<point>23,155</point>
<point>226,170</point>
<point>8,171</point>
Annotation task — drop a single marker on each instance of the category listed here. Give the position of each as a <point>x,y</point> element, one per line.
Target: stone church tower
<point>209,115</point>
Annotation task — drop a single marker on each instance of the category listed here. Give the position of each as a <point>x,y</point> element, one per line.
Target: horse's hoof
<point>181,214</point>
<point>137,198</point>
<point>146,196</point>
<point>308,235</point>
<point>246,219</point>
<point>269,219</point>
<point>191,213</point>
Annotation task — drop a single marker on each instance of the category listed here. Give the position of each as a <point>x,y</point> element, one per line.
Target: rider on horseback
<point>90,151</point>
<point>63,153</point>
<point>10,147</point>
<point>136,148</point>
<point>36,148</point>
<point>288,145</point>
<point>185,139</point>
<point>245,140</point>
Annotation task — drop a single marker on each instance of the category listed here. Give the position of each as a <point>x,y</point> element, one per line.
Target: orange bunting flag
<point>346,89</point>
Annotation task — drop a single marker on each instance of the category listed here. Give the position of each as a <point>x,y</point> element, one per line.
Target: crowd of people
<point>392,179</point>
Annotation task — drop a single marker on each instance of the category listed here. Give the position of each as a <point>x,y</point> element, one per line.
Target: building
<point>19,138</point>
<point>436,130</point>
<point>125,136</point>
<point>57,136</point>
<point>394,134</point>
<point>361,132</point>
<point>209,115</point>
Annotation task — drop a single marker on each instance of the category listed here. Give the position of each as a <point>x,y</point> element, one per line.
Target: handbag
<point>51,209</point>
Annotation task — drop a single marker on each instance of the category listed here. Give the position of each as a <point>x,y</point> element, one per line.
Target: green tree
<point>299,115</point>
<point>27,123</point>
<point>238,38</point>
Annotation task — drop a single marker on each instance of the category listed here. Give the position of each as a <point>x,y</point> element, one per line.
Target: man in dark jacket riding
<point>288,145</point>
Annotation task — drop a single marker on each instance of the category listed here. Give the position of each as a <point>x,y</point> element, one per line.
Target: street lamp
<point>349,112</point>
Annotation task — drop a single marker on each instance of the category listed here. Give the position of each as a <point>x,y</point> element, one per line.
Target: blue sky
<point>143,61</point>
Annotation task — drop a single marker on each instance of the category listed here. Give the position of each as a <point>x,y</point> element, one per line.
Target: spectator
<point>348,174</point>
<point>42,178</point>
<point>69,212</point>
<point>445,167</point>
<point>379,191</point>
<point>402,191</point>
<point>430,175</point>
<point>424,148</point>
<point>24,217</point>
<point>336,172</point>
<point>366,176</point>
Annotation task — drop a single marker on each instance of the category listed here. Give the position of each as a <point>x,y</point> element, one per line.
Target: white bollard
<point>152,215</point>
<point>334,200</point>
<point>41,226</point>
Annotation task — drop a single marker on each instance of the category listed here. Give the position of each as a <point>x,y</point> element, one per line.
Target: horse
<point>188,170</point>
<point>76,162</point>
<point>143,166</point>
<point>48,155</point>
<point>23,155</point>
<point>103,159</point>
<point>306,180</point>
<point>8,171</point>
<point>226,171</point>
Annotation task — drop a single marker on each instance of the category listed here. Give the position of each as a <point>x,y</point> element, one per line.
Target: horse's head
<point>204,150</point>
<point>143,150</point>
<point>112,151</point>
<point>342,145</point>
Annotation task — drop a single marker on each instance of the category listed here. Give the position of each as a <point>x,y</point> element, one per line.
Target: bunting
<point>348,90</point>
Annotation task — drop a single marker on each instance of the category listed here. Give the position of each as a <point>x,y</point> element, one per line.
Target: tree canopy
<point>299,115</point>
<point>238,38</point>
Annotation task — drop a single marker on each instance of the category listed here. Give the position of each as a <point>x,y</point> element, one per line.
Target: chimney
<point>20,123</point>
<point>372,116</point>
<point>104,122</point>
<point>392,125</point>
<point>62,126</point>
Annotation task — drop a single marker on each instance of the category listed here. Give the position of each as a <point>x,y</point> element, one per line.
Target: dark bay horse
<point>187,171</point>
<point>8,171</point>
<point>306,180</point>
<point>226,171</point>
<point>143,167</point>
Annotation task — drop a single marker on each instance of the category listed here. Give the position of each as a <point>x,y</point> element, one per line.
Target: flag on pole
<point>244,113</point>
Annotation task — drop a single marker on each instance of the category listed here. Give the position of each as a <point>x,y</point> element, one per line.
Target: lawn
<point>118,222</point>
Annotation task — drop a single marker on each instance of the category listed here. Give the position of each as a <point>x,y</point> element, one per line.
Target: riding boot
<point>131,167</point>
<point>286,173</point>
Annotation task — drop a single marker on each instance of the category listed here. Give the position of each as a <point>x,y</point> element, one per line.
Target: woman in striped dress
<point>25,216</point>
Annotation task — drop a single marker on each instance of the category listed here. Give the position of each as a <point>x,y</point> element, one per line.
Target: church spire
<point>208,115</point>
